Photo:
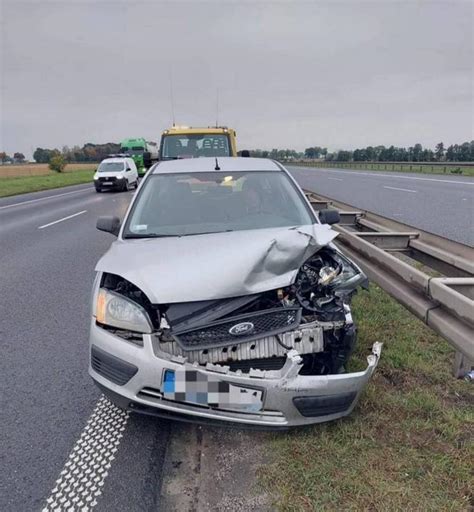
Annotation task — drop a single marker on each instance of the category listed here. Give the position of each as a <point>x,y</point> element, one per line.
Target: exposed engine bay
<point>311,316</point>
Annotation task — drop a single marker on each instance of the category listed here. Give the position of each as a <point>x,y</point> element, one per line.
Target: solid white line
<point>44,198</point>
<point>81,481</point>
<point>375,174</point>
<point>64,218</point>
<point>335,179</point>
<point>402,189</point>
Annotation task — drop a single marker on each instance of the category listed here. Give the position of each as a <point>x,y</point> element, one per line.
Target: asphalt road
<point>443,205</point>
<point>46,272</point>
<point>48,249</point>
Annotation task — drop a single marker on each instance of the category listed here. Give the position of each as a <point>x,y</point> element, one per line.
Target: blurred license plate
<point>199,388</point>
<point>107,183</point>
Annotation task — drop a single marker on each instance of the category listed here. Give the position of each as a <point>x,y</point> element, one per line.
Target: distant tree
<point>43,156</point>
<point>417,152</point>
<point>4,157</point>
<point>344,156</point>
<point>57,162</point>
<point>465,152</point>
<point>439,151</point>
<point>19,157</point>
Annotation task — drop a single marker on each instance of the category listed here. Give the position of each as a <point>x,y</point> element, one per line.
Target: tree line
<point>454,153</point>
<point>88,153</point>
<point>16,158</point>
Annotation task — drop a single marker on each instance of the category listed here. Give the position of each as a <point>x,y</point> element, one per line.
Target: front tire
<point>98,189</point>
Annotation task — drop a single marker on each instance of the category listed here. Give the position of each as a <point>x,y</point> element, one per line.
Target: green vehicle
<point>144,153</point>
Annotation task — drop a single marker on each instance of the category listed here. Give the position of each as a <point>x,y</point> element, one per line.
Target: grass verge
<point>409,443</point>
<point>448,169</point>
<point>24,184</point>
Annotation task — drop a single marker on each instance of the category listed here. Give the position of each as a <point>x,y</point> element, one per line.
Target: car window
<point>209,202</point>
<point>111,167</point>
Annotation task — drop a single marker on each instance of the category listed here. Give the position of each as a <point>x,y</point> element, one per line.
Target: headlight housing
<point>115,310</point>
<point>347,276</point>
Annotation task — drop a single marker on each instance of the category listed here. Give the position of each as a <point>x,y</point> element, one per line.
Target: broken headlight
<point>342,275</point>
<point>117,311</point>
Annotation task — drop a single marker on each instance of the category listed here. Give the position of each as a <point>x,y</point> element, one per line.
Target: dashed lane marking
<point>61,220</point>
<point>81,481</point>
<point>335,179</point>
<point>403,189</point>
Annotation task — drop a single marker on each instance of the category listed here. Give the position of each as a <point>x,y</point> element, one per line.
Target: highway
<point>443,205</point>
<point>48,249</point>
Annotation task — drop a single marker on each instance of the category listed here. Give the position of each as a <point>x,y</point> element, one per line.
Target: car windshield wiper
<point>207,232</point>
<point>148,235</point>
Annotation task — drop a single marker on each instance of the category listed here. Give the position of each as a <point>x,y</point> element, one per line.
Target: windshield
<point>133,151</point>
<point>212,202</point>
<point>111,167</point>
<point>192,146</point>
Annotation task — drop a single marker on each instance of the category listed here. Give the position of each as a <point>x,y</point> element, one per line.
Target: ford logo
<point>241,329</point>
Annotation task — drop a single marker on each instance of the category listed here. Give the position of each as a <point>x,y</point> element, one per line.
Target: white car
<point>119,173</point>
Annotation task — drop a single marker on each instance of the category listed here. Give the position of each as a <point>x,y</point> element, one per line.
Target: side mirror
<point>109,225</point>
<point>329,216</point>
<point>245,153</point>
<point>128,169</point>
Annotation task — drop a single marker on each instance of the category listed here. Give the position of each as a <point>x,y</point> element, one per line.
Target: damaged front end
<point>274,358</point>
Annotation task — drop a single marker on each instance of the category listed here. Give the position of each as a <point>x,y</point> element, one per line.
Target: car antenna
<point>217,168</point>
<point>171,93</point>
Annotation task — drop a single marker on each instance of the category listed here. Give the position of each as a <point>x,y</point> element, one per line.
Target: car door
<point>133,171</point>
<point>129,170</point>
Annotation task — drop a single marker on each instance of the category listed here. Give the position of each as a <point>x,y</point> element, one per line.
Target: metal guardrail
<point>431,276</point>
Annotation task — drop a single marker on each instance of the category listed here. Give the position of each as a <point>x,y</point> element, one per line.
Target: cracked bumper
<point>288,399</point>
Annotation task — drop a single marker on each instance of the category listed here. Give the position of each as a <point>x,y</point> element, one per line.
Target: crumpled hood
<point>215,266</point>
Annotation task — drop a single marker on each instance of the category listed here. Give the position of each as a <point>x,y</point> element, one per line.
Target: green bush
<point>57,163</point>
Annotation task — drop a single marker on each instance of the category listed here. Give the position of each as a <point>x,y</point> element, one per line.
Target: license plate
<point>202,389</point>
<point>107,183</point>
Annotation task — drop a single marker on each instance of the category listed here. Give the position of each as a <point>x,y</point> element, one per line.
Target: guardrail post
<point>462,365</point>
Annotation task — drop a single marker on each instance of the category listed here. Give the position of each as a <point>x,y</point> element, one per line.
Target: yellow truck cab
<point>189,142</point>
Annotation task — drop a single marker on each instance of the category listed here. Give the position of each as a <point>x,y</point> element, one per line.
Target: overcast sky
<point>289,74</point>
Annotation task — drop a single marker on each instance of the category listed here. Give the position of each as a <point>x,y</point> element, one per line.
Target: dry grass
<point>18,171</point>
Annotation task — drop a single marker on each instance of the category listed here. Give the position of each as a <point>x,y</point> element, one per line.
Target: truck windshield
<point>194,145</point>
<point>111,167</point>
<point>198,203</point>
<point>133,151</point>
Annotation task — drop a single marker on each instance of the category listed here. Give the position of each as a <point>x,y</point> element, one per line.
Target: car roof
<point>206,164</point>
<point>116,159</point>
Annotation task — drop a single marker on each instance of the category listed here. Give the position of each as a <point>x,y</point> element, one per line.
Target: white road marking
<point>402,189</point>
<point>375,174</point>
<point>44,198</point>
<point>81,481</point>
<point>335,179</point>
<point>61,220</point>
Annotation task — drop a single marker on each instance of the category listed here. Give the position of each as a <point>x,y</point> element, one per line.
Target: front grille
<point>257,325</point>
<point>111,179</point>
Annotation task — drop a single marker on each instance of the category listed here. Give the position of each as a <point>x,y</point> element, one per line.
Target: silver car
<point>224,300</point>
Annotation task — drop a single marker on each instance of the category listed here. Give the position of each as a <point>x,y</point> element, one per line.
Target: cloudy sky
<point>341,74</point>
